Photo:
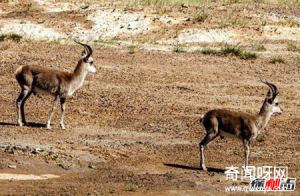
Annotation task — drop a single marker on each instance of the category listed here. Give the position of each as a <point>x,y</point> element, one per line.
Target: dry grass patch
<point>230,50</point>
<point>277,59</point>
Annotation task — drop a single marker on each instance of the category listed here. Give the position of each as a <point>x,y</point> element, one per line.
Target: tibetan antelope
<point>244,126</point>
<point>60,84</point>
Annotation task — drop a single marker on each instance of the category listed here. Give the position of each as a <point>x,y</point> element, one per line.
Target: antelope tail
<point>202,119</point>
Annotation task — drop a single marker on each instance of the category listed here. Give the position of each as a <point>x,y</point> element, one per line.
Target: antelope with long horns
<point>244,126</point>
<point>60,84</point>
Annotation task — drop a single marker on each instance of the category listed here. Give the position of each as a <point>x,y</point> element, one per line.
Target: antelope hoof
<point>203,168</point>
<point>62,126</point>
<point>48,127</point>
<point>20,123</point>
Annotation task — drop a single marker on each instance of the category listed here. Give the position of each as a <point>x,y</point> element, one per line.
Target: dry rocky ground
<point>132,128</point>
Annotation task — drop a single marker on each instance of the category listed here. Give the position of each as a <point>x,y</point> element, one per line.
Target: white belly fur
<point>228,135</point>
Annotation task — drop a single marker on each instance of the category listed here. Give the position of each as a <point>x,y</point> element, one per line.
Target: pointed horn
<point>275,89</point>
<point>272,87</point>
<point>87,47</point>
<point>267,83</point>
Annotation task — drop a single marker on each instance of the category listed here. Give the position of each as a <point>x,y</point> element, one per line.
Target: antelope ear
<point>84,54</point>
<point>268,94</point>
<point>270,100</point>
<point>85,59</point>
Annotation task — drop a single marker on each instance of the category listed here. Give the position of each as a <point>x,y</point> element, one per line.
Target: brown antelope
<point>244,126</point>
<point>60,84</point>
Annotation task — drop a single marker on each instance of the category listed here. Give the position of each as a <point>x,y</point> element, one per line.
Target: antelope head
<point>271,101</point>
<point>87,59</point>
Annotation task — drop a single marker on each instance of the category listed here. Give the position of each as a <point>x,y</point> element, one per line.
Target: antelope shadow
<point>209,169</point>
<point>29,124</point>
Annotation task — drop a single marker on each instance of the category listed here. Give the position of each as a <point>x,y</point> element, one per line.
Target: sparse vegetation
<point>231,20</point>
<point>2,37</point>
<point>228,49</point>
<point>132,49</point>
<point>278,59</point>
<point>131,187</point>
<point>293,47</point>
<point>233,50</point>
<point>249,55</point>
<point>107,41</point>
<point>162,9</point>
<point>237,21</point>
<point>292,22</point>
<point>167,2</point>
<point>209,51</point>
<point>55,41</point>
<point>13,36</point>
<point>179,50</point>
<point>200,16</point>
<point>153,42</point>
<point>298,59</point>
<point>289,3</point>
<point>290,98</point>
<point>234,1</point>
<point>259,47</point>
<point>173,3</point>
<point>288,22</point>
<point>33,7</point>
<point>164,6</point>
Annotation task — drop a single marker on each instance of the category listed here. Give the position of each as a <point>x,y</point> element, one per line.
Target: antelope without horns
<point>60,84</point>
<point>244,126</point>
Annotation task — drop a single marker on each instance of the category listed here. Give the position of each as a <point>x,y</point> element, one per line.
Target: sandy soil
<point>132,128</point>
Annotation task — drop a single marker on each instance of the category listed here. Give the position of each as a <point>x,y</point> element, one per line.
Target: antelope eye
<point>91,62</point>
<point>276,103</point>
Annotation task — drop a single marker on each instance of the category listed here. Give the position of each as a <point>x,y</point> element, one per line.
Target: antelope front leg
<point>247,152</point>
<point>62,104</point>
<point>52,111</point>
<point>202,165</point>
<point>208,138</point>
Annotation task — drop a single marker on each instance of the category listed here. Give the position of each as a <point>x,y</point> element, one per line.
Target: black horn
<point>272,87</point>
<point>87,47</point>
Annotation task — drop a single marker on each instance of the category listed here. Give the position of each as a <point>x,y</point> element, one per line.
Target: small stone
<point>12,166</point>
<point>64,166</point>
<point>84,7</point>
<point>37,151</point>
<point>112,191</point>
<point>184,5</point>
<point>9,150</point>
